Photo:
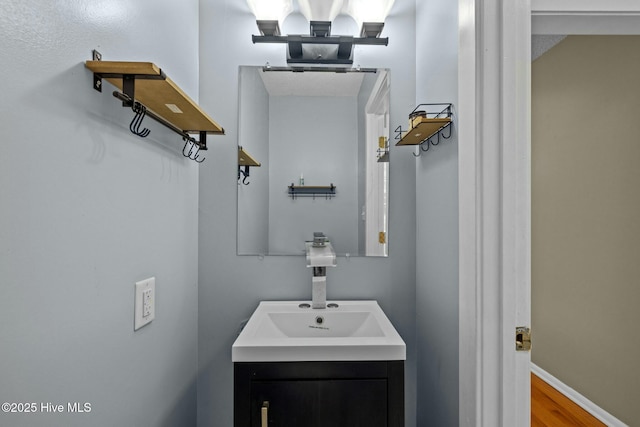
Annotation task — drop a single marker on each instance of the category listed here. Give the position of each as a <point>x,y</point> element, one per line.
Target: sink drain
<point>319,320</point>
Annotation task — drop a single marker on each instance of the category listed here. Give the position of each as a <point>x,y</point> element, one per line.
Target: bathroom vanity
<point>339,366</point>
<point>319,394</point>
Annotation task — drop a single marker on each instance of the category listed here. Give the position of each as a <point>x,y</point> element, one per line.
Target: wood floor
<point>550,408</point>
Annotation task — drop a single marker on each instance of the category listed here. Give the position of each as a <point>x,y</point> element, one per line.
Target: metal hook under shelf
<point>244,173</point>
<point>196,156</point>
<point>137,106</point>
<point>186,143</point>
<point>191,154</point>
<point>134,126</point>
<point>421,149</point>
<point>435,143</point>
<point>446,137</point>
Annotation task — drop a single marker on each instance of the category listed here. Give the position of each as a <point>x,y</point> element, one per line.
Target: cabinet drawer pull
<point>264,413</point>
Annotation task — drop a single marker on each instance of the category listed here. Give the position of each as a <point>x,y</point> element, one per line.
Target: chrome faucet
<point>320,255</point>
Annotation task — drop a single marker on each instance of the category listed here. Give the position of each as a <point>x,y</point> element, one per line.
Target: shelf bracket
<point>129,88</point>
<point>202,142</point>
<point>97,79</point>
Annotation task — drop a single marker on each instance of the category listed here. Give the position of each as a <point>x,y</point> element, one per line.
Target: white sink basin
<point>282,331</point>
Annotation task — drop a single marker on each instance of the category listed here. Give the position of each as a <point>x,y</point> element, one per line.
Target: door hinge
<point>523,338</point>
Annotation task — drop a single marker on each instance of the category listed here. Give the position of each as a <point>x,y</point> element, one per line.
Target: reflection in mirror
<point>314,129</point>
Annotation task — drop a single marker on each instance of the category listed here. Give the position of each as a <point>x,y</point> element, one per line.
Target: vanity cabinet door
<point>320,403</point>
<point>319,394</point>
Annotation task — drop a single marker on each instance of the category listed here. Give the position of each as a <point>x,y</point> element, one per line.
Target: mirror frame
<point>372,116</point>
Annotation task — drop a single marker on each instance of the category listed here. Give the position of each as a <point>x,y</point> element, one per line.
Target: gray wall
<point>231,286</point>
<point>253,199</point>
<point>317,137</point>
<point>437,222</point>
<point>585,209</point>
<point>88,209</point>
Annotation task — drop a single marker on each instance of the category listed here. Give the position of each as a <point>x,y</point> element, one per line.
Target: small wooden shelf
<point>423,129</point>
<point>245,159</point>
<point>158,93</point>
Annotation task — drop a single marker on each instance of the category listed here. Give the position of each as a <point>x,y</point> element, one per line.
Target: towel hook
<point>134,126</point>
<point>436,143</point>
<point>195,156</point>
<point>186,142</point>
<point>449,136</point>
<point>191,154</point>
<point>244,173</point>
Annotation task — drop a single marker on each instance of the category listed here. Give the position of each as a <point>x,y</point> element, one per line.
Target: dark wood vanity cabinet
<point>319,394</point>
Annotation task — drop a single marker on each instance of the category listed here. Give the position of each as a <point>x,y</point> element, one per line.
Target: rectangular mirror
<point>313,156</point>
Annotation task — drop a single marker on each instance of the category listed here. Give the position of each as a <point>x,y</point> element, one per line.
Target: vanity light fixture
<point>320,28</point>
<point>320,47</point>
<point>268,27</point>
<point>318,69</point>
<point>371,29</point>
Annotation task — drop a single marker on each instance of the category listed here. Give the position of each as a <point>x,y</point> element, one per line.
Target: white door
<point>494,180</point>
<point>377,173</point>
<point>494,188</point>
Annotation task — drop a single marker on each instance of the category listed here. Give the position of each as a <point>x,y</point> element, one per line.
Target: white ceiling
<point>542,43</point>
<point>308,83</point>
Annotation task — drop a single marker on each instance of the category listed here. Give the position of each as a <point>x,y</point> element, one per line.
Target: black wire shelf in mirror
<point>296,191</point>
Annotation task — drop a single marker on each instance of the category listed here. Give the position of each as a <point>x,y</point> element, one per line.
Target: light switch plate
<point>145,302</point>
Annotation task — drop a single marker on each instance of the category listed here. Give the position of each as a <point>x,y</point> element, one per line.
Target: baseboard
<point>576,397</point>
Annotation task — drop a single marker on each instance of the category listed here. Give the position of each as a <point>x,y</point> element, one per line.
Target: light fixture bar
<point>344,53</point>
<point>380,41</point>
<point>294,69</point>
<point>320,47</point>
<point>320,28</point>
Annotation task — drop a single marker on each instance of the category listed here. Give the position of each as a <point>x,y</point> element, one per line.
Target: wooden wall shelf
<point>245,159</point>
<point>423,129</point>
<point>426,126</point>
<point>158,93</point>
